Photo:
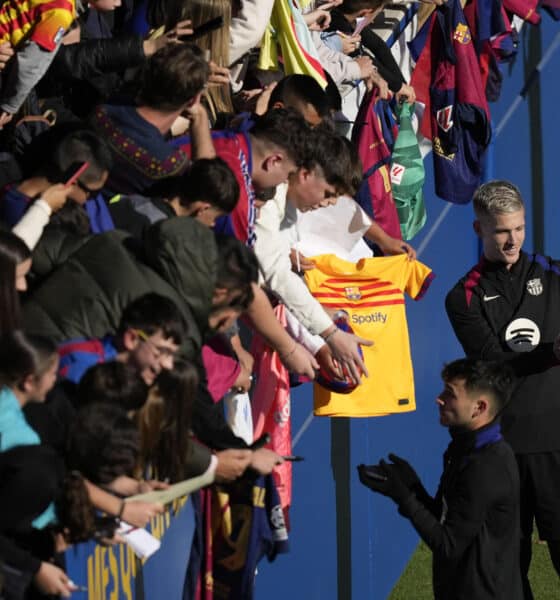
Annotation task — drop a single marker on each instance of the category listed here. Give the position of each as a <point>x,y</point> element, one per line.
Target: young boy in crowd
<point>206,191</point>
<point>472,524</point>
<point>326,173</point>
<point>148,337</point>
<point>171,84</point>
<point>150,333</point>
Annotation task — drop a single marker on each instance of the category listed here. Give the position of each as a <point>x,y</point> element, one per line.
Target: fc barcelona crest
<point>534,287</point>
<point>462,34</point>
<point>353,293</point>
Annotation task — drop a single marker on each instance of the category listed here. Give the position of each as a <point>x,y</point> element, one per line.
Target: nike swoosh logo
<point>488,298</point>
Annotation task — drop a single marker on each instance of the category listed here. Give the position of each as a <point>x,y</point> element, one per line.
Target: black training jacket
<point>472,525</point>
<point>513,315</point>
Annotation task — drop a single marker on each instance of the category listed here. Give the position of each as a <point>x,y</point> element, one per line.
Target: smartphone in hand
<point>203,29</point>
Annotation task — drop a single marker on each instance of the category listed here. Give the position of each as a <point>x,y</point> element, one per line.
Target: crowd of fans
<point>138,147</point>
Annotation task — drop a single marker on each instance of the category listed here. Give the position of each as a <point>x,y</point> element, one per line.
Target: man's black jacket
<point>472,525</point>
<point>512,314</point>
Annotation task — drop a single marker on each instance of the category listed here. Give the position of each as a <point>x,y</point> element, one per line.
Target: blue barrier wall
<point>114,572</point>
<point>345,543</point>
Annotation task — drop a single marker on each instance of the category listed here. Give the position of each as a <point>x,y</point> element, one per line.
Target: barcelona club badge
<point>353,293</point>
<point>462,34</point>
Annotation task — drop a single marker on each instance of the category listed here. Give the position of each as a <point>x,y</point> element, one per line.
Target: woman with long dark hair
<point>15,262</point>
<point>164,423</point>
<point>28,366</point>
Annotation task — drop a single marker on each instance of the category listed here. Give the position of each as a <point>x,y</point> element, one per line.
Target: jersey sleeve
<point>418,279</point>
<point>54,21</point>
<point>77,356</point>
<point>240,222</point>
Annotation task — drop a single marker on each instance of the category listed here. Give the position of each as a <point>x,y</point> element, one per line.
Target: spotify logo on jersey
<point>522,335</point>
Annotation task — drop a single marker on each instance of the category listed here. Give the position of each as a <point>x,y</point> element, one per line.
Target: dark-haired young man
<point>171,84</point>
<point>303,94</point>
<point>150,333</point>
<point>324,173</point>
<point>299,92</point>
<point>261,155</point>
<point>205,192</point>
<point>472,524</point>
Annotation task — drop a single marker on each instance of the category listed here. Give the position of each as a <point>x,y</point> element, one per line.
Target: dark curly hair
<point>172,76</point>
<point>495,378</point>
<point>284,128</point>
<point>115,383</point>
<point>103,443</point>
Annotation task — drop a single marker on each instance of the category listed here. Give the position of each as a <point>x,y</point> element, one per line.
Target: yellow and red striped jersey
<point>42,21</point>
<point>372,291</point>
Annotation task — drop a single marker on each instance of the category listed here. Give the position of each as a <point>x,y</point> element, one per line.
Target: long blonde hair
<point>216,43</point>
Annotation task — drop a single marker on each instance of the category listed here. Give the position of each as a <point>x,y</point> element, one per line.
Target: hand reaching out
<point>139,513</point>
<point>56,196</point>
<point>392,246</point>
<point>218,75</point>
<point>264,460</point>
<point>300,361</point>
<point>52,581</point>
<point>344,348</point>
<point>406,94</point>
<point>327,363</point>
<point>5,118</point>
<point>350,43</point>
<point>232,463</point>
<point>6,52</point>
<point>381,85</point>
<point>301,263</point>
<point>320,18</point>
<point>151,46</point>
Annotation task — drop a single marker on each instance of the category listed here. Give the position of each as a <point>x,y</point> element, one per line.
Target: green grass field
<point>415,583</point>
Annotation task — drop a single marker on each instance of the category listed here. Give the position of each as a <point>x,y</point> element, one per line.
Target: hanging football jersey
<point>371,292</point>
